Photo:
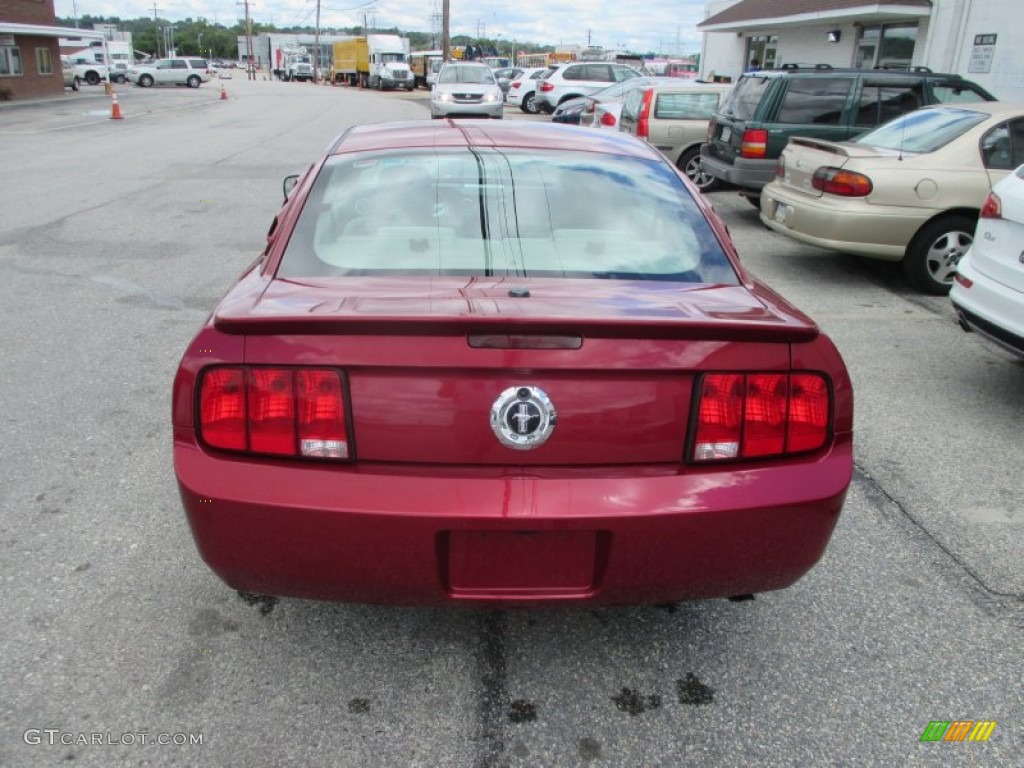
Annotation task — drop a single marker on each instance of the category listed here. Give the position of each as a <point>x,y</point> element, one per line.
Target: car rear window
<point>923,131</point>
<point>745,96</point>
<point>503,212</point>
<point>198,63</point>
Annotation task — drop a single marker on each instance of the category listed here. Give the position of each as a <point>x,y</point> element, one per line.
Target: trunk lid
<point>427,359</point>
<point>803,156</point>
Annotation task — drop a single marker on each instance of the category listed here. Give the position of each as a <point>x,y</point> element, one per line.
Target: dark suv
<point>747,134</point>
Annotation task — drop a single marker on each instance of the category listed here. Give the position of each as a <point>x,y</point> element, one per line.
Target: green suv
<point>747,134</point>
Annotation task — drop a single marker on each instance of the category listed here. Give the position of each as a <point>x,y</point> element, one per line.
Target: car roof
<point>515,134</point>
<point>827,71</point>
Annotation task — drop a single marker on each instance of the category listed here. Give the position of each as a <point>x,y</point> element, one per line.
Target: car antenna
<point>903,136</point>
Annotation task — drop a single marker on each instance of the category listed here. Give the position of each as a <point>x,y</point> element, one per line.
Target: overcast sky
<point>639,25</point>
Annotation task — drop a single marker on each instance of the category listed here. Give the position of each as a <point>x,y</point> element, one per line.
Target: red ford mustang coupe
<point>490,363</point>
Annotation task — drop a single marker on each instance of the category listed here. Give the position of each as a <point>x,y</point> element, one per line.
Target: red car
<point>490,363</point>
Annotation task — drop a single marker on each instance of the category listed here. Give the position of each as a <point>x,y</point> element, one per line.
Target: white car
<point>578,78</point>
<point>177,71</point>
<point>522,92</point>
<point>466,88</point>
<point>988,288</point>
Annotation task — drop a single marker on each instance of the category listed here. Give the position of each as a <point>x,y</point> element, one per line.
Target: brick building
<point>29,49</point>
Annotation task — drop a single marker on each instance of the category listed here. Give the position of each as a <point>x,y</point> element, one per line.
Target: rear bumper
<point>840,225</point>
<point>627,535</point>
<point>989,308</point>
<point>751,175</point>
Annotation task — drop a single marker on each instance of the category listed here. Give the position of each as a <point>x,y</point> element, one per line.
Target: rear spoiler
<point>822,144</point>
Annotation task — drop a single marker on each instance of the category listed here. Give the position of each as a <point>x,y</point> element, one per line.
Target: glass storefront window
<point>890,46</point>
<point>761,49</point>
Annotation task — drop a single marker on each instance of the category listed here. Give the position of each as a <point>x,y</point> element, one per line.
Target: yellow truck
<point>374,61</point>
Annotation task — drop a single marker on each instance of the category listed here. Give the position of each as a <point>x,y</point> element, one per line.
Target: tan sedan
<point>909,191</point>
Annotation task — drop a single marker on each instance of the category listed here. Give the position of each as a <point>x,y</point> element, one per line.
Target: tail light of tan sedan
<point>757,415</point>
<point>836,181</point>
<point>295,412</point>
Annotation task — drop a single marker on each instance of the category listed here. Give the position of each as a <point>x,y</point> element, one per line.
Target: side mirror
<point>289,184</point>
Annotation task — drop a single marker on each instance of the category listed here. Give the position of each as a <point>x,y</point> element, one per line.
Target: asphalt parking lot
<point>118,236</point>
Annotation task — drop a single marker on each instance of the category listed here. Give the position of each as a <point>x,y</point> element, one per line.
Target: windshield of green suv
<point>493,212</point>
<point>742,100</point>
<point>925,130</point>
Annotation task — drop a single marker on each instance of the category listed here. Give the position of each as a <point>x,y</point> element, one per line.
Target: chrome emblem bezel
<point>514,413</point>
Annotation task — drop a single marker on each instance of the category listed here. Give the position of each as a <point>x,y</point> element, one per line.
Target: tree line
<point>198,37</point>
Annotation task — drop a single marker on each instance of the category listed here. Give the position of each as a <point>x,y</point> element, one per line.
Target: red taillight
<point>274,411</point>
<point>643,129</point>
<point>271,411</point>
<point>755,415</point>
<point>545,87</point>
<point>321,412</point>
<point>764,415</point>
<point>719,418</point>
<point>836,181</point>
<point>992,208</point>
<point>809,410</point>
<point>222,409</point>
<point>516,84</point>
<point>607,119</point>
<point>755,143</point>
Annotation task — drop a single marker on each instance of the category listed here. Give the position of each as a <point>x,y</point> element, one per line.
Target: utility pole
<point>156,28</point>
<point>446,42</point>
<point>248,41</point>
<point>316,47</point>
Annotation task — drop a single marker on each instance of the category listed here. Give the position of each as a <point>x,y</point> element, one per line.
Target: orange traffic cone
<point>223,93</point>
<point>115,108</point>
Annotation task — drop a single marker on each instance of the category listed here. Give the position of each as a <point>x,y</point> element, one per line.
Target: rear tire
<point>193,81</point>
<point>754,200</point>
<point>146,81</point>
<point>529,105</point>
<point>92,78</point>
<point>76,83</point>
<point>935,251</point>
<point>689,163</point>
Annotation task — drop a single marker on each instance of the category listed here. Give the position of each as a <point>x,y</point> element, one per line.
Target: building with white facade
<point>978,39</point>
